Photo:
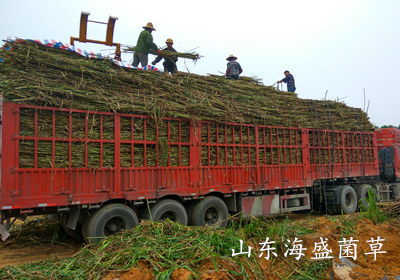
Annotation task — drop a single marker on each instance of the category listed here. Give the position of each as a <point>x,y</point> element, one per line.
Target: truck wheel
<point>85,223</point>
<point>362,195</point>
<point>211,211</point>
<point>85,228</point>
<point>74,233</point>
<point>109,220</point>
<point>348,200</point>
<point>167,209</point>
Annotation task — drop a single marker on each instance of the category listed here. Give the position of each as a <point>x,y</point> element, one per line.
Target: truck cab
<point>388,140</point>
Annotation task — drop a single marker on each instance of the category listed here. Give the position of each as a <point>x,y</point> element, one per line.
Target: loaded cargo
<point>103,146</point>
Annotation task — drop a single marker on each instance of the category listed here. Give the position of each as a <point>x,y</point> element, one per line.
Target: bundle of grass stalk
<point>35,74</point>
<point>165,53</point>
<point>167,247</point>
<point>100,126</point>
<point>392,209</point>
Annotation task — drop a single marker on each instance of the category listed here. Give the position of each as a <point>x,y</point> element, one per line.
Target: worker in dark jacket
<point>144,45</point>
<point>170,61</point>
<point>289,80</point>
<point>233,68</point>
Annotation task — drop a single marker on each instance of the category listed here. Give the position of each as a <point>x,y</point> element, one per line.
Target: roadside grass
<point>373,212</point>
<point>168,246</point>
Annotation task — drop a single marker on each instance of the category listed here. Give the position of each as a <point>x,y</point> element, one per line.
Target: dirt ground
<point>386,264</point>
<point>15,256</point>
<point>28,244</point>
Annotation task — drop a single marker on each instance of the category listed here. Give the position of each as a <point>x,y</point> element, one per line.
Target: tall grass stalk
<point>373,212</point>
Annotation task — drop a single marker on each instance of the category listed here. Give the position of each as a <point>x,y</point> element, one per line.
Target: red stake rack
<point>53,159</point>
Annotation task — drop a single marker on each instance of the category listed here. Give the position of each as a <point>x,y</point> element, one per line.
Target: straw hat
<point>169,40</point>
<point>149,25</point>
<point>231,56</point>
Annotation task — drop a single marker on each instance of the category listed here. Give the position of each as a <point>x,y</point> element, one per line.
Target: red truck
<point>101,172</point>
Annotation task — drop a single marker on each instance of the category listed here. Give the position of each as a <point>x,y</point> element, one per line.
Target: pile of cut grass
<point>39,75</point>
<point>168,246</point>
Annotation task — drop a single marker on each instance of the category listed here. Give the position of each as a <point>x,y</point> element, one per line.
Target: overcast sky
<point>343,47</point>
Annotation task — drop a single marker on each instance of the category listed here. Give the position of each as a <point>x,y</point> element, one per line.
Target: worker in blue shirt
<point>169,62</point>
<point>289,80</point>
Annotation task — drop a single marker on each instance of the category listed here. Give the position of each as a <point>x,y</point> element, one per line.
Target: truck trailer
<point>101,172</point>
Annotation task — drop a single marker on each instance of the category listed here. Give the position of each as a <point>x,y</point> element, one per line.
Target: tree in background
<point>390,126</point>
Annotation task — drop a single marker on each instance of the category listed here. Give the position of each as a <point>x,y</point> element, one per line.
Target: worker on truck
<point>233,69</point>
<point>144,45</point>
<point>289,80</point>
<point>170,61</point>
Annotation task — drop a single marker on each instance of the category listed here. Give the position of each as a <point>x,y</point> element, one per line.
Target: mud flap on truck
<point>4,232</point>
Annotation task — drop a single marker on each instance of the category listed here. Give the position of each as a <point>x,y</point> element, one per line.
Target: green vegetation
<point>168,246</point>
<point>390,126</point>
<point>373,212</point>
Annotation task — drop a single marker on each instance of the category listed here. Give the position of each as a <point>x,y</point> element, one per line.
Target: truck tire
<point>74,233</point>
<point>167,209</point>
<point>85,228</point>
<point>210,212</point>
<point>110,219</point>
<point>362,195</point>
<point>85,223</point>
<point>348,200</point>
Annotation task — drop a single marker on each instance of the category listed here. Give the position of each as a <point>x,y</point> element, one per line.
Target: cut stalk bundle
<point>170,54</point>
<point>392,209</point>
<point>38,75</point>
<point>132,129</point>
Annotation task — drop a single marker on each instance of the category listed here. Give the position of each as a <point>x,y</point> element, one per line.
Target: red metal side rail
<point>342,154</point>
<point>169,159</point>
<point>105,156</point>
<point>59,157</point>
<point>241,158</point>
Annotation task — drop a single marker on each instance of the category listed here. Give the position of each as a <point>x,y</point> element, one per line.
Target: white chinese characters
<point>348,249</point>
<point>322,250</point>
<point>375,246</point>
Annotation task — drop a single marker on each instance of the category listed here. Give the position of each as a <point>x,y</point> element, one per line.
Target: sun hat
<point>231,56</point>
<point>150,26</point>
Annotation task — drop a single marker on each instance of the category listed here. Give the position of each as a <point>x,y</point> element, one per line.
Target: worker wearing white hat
<point>144,45</point>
